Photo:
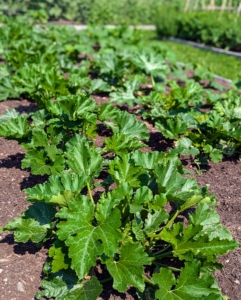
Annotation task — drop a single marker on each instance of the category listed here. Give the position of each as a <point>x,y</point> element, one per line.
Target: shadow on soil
<point>26,108</point>
<point>158,143</point>
<point>20,248</point>
<point>12,161</point>
<point>32,180</point>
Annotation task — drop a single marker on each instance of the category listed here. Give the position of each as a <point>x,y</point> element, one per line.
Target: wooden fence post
<point>238,12</point>
<point>204,6</point>
<point>187,5</point>
<point>211,5</point>
<point>196,4</point>
<point>230,4</point>
<point>224,3</point>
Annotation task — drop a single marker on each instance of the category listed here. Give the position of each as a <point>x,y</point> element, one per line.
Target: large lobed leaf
<point>33,224</point>
<point>59,190</point>
<point>84,240</point>
<point>129,125</point>
<point>128,270</point>
<point>84,160</point>
<point>189,285</point>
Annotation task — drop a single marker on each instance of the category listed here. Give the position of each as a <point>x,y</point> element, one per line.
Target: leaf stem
<point>89,191</point>
<point>169,224</point>
<point>106,280</point>
<point>158,252</point>
<point>153,81</point>
<point>166,254</point>
<point>168,267</point>
<point>148,281</point>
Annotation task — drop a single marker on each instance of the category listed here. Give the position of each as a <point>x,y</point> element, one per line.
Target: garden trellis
<point>212,5</point>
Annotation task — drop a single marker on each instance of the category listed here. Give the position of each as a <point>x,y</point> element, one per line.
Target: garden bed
<point>224,179</point>
<point>114,141</point>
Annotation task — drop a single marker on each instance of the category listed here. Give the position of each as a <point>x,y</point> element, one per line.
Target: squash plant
<point>128,227</point>
<point>110,206</point>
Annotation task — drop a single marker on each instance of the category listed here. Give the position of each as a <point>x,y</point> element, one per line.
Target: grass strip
<point>219,64</point>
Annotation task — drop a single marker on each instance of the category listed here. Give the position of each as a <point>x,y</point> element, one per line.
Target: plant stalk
<point>106,280</point>
<point>153,81</point>
<point>169,224</point>
<point>166,254</point>
<point>161,251</point>
<point>89,191</point>
<point>168,267</point>
<point>148,281</point>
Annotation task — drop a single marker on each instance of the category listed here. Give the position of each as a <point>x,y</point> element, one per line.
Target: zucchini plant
<point>111,211</point>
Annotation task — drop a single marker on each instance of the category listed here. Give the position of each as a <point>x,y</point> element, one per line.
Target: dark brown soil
<point>21,264</point>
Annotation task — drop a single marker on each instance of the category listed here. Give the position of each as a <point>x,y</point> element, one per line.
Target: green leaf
<point>41,212</point>
<point>99,85</point>
<point>37,161</point>
<point>137,228</point>
<point>190,284</point>
<point>107,112</point>
<point>172,128</point>
<point>147,160</point>
<point>59,257</point>
<point>59,190</point>
<point>193,201</point>
<point>154,221</point>
<point>58,285</point>
<point>142,196</point>
<point>187,244</point>
<point>129,125</point>
<point>75,107</point>
<point>123,171</point>
<point>84,240</point>
<point>151,63</point>
<point>33,224</point>
<point>89,291</point>
<point>216,155</point>
<point>7,89</point>
<point>171,183</point>
<point>122,144</point>
<point>210,222</point>
<point>84,160</point>
<point>185,147</point>
<point>14,127</point>
<point>8,115</point>
<point>39,137</point>
<point>125,96</point>
<point>26,229</point>
<point>128,270</point>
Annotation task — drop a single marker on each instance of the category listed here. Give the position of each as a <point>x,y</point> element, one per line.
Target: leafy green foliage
<point>189,285</point>
<point>123,171</point>
<point>13,126</point>
<point>34,223</point>
<point>84,160</point>
<point>128,125</point>
<point>108,205</point>
<point>59,190</point>
<point>128,269</point>
<point>83,239</point>
<point>199,27</point>
<point>64,285</point>
<point>199,240</point>
<point>121,144</point>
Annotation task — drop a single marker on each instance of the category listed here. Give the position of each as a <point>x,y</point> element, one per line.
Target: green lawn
<point>219,64</point>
